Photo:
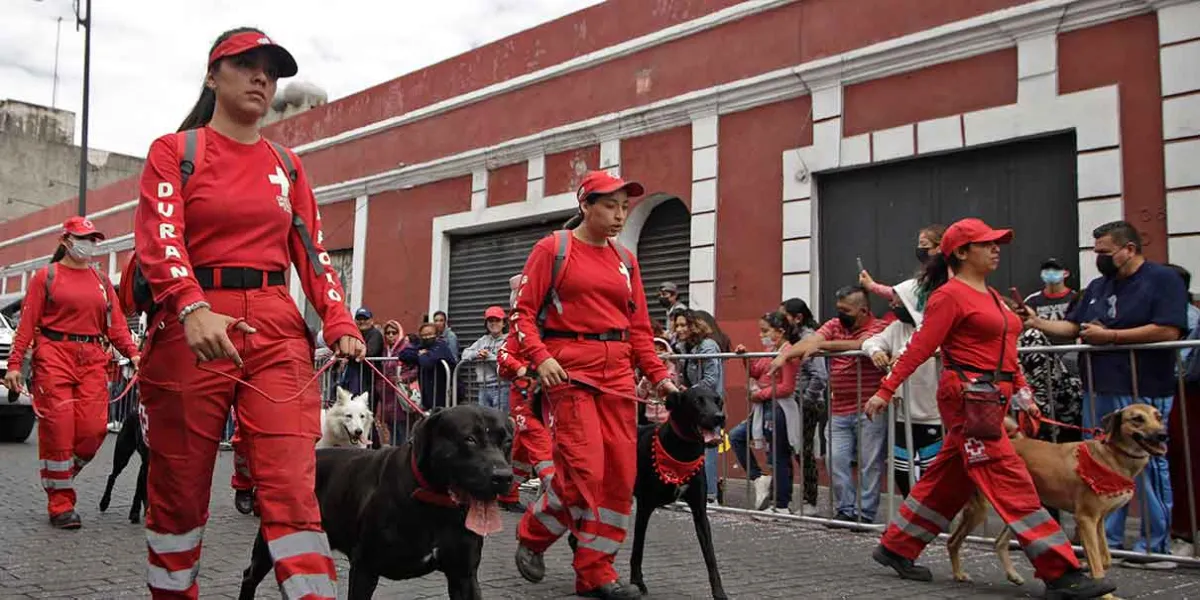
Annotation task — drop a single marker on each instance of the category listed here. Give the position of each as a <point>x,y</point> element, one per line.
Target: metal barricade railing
<point>478,381</point>
<point>1177,410</point>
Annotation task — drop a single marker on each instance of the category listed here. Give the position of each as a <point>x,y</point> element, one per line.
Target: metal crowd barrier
<point>479,382</point>
<point>1179,410</point>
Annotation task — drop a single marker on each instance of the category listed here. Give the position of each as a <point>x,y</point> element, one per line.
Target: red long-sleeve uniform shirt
<point>509,360</point>
<point>967,325</point>
<point>237,213</point>
<point>595,290</point>
<point>78,304</point>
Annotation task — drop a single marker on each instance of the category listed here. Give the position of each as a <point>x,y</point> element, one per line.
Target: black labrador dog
<point>671,468</point>
<point>407,511</point>
<point>129,440</point>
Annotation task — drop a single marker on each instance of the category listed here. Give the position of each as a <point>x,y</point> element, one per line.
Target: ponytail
<point>206,105</point>
<point>575,221</point>
<point>934,275</point>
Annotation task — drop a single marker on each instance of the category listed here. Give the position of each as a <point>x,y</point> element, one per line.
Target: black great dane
<point>407,511</point>
<point>671,468</point>
<point>129,440</point>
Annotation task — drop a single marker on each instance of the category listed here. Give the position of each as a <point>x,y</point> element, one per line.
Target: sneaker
<point>614,591</point>
<point>1076,584</point>
<point>67,520</point>
<point>226,446</point>
<point>904,567</point>
<point>114,427</point>
<point>762,492</point>
<point>531,565</point>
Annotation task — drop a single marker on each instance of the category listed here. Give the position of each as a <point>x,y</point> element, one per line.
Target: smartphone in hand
<point>860,265</point>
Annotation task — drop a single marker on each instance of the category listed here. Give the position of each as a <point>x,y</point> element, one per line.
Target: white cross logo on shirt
<point>280,179</point>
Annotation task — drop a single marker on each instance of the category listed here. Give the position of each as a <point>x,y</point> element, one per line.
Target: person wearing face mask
<point>774,409</point>
<point>977,337</point>
<point>1134,301</point>
<point>928,239</point>
<point>67,314</point>
<point>850,432</point>
<point>428,355</point>
<point>1056,298</point>
<point>668,298</point>
<point>918,399</point>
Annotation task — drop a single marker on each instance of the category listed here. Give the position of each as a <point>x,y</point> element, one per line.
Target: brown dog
<point>1132,435</point>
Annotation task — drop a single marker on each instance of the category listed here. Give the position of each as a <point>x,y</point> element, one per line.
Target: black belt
<point>237,278</point>
<point>58,336</point>
<point>615,335</point>
<point>984,375</point>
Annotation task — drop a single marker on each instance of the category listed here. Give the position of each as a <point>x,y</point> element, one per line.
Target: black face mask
<point>922,255</point>
<point>847,321</point>
<point>1107,265</point>
<point>665,302</point>
<point>428,343</point>
<point>902,313</point>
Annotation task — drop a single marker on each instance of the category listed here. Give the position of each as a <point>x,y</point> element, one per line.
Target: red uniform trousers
<point>240,480</point>
<point>185,415</point>
<point>993,467</point>
<point>594,440</point>
<point>531,445</point>
<point>70,390</point>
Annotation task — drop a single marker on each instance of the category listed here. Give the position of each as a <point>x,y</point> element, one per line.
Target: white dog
<point>347,422</point>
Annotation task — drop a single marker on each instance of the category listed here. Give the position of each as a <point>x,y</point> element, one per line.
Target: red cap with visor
<point>81,227</point>
<point>494,312</point>
<point>285,65</point>
<point>601,182</point>
<point>972,231</point>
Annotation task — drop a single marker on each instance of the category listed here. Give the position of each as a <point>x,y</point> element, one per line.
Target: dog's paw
<point>135,519</point>
<point>962,577</point>
<point>641,585</point>
<point>1015,578</point>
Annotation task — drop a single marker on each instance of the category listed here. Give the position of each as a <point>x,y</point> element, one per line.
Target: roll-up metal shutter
<point>664,252</point>
<point>480,267</point>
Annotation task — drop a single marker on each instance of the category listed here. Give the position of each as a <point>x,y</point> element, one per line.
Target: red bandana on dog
<point>671,471</point>
<point>1103,480</point>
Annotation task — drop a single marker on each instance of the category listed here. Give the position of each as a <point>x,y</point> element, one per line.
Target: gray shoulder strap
<point>187,163</point>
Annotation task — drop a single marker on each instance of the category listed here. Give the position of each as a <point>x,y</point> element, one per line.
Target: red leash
<point>578,381</point>
<point>1041,419</point>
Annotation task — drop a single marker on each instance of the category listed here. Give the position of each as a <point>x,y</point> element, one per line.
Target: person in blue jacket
<point>428,355</point>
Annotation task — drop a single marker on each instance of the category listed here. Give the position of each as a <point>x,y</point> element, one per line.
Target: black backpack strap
<point>562,240</point>
<point>187,163</point>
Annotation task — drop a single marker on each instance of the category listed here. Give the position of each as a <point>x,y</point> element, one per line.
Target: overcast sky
<point>148,55</point>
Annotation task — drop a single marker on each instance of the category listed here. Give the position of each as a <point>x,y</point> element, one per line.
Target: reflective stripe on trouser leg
<point>56,480</point>
<point>1008,486</point>
<point>304,554</point>
<point>933,501</point>
<point>544,521</point>
<point>54,367</point>
<point>174,562</point>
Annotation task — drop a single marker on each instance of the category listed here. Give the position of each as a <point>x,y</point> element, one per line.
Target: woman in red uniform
<point>977,334</point>
<point>69,307</point>
<point>214,250</point>
<point>584,324</point>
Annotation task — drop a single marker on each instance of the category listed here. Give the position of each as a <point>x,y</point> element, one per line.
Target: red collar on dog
<point>423,493</point>
<point>1103,480</point>
<point>671,471</point>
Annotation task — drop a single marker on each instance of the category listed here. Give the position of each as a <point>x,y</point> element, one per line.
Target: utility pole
<point>57,40</point>
<point>84,21</point>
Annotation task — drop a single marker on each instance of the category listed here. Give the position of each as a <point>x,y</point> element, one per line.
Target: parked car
<point>16,409</point>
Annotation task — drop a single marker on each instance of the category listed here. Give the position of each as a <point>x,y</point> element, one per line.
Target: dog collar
<point>425,494</point>
<point>670,470</point>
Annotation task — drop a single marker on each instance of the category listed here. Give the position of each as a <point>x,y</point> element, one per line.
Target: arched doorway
<point>664,249</point>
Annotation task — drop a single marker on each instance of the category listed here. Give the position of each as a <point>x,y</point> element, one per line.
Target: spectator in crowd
<point>483,352</point>
<point>853,379</point>
<point>390,417</point>
<point>357,376</point>
<point>697,332</point>
<point>668,297</point>
<point>428,356</point>
<point>445,332</point>
<point>1181,518</point>
<point>928,239</point>
<point>812,379</point>
<point>1193,312</point>
<point>918,408</point>
<point>1134,301</point>
<point>774,408</point>
<point>1055,299</point>
<point>646,390</point>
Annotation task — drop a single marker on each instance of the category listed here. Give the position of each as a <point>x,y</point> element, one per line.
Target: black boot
<point>531,565</point>
<point>614,591</point>
<point>67,520</point>
<point>1076,584</point>
<point>243,501</point>
<point>903,566</point>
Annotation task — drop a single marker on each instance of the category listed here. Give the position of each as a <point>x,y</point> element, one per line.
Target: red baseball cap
<point>601,182</point>
<point>81,227</point>
<point>972,231</point>
<point>494,312</point>
<point>285,65</point>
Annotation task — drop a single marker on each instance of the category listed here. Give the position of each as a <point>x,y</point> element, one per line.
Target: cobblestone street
<point>758,559</point>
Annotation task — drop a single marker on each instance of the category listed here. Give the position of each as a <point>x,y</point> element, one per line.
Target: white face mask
<point>81,249</point>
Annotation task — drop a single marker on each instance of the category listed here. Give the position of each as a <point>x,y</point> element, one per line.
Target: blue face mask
<point>1053,276</point>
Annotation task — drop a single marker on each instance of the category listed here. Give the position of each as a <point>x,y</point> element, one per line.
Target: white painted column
<point>479,183</point>
<point>24,280</point>
<point>3,285</point>
<point>535,178</point>
<point>358,258</point>
<point>702,271</point>
<point>1179,59</point>
<point>610,157</point>
<point>112,266</point>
